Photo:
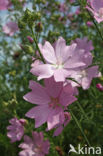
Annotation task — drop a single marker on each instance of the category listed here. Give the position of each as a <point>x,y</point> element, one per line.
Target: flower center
<point>38,149</point>
<point>101,12</point>
<point>59,64</point>
<point>54,102</point>
<point>82,74</point>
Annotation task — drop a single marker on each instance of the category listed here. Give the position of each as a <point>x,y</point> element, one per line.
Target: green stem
<point>78,124</point>
<point>96,25</point>
<point>82,110</point>
<point>74,81</point>
<point>34,38</point>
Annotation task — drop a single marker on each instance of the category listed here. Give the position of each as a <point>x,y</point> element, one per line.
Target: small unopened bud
<point>30,39</point>
<point>23,121</point>
<point>27,48</point>
<point>99,87</point>
<point>39,27</point>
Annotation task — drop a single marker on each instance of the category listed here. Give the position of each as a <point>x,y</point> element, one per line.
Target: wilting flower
<point>99,86</point>
<point>10,28</point>
<point>4,4</point>
<point>60,60</point>
<point>16,129</point>
<point>96,7</point>
<point>51,101</point>
<point>36,146</point>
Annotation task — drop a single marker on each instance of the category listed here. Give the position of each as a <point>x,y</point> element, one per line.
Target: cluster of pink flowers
<point>96,7</point>
<point>63,68</point>
<point>62,64</point>
<point>36,146</point>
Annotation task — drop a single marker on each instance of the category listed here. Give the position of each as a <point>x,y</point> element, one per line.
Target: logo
<point>85,150</point>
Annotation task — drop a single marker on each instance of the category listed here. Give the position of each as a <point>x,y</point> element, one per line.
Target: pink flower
<point>10,28</point>
<point>84,44</point>
<point>4,4</point>
<point>36,146</point>
<point>16,129</point>
<point>51,101</point>
<point>99,86</point>
<point>96,9</point>
<point>84,76</point>
<point>60,60</point>
<point>65,119</point>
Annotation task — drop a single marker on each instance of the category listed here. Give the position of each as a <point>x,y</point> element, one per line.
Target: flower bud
<point>30,39</point>
<point>39,27</point>
<point>27,48</point>
<point>23,121</point>
<point>99,87</point>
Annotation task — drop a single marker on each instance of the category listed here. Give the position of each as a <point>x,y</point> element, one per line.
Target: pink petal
<point>66,100</point>
<point>52,122</point>
<point>27,152</point>
<point>48,53</point>
<point>75,61</point>
<point>53,88</point>
<point>58,131</point>
<point>86,81</point>
<point>63,52</point>
<point>95,5</point>
<point>37,95</point>
<point>42,71</point>
<point>60,75</point>
<point>38,111</point>
<point>93,71</point>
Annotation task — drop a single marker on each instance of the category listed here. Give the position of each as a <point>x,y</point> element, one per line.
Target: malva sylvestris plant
<point>61,62</point>
<point>63,68</point>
